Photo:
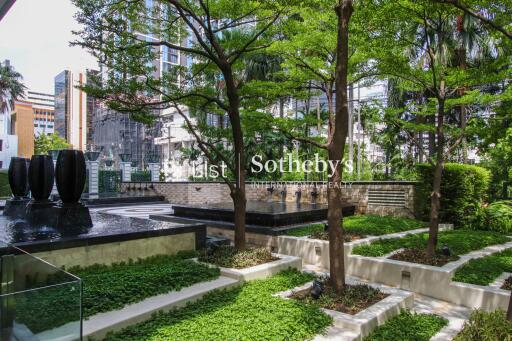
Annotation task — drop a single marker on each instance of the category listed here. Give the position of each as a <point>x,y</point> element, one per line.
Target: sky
<point>35,36</point>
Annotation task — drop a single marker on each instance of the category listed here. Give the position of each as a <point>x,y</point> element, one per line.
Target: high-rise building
<point>71,108</point>
<point>30,118</point>
<point>44,107</point>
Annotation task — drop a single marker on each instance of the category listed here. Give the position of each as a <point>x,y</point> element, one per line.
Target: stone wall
<point>353,192</point>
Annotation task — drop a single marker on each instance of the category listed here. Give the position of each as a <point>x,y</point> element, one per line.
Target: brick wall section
<point>355,192</point>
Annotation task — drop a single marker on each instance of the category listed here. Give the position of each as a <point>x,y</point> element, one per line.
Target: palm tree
<point>11,87</point>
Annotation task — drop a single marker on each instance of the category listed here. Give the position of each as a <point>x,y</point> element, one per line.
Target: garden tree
<point>316,55</point>
<point>413,46</point>
<point>11,87</point>
<point>44,143</point>
<point>218,36</point>
<point>493,13</point>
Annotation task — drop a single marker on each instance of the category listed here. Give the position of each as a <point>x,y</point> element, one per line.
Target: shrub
<point>5,190</point>
<point>463,191</point>
<point>486,326</point>
<point>109,181</point>
<point>498,217</point>
<point>141,176</point>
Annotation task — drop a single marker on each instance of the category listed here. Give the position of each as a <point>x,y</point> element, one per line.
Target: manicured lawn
<point>459,241</point>
<point>408,326</point>
<point>485,270</point>
<point>249,312</point>
<point>365,225</point>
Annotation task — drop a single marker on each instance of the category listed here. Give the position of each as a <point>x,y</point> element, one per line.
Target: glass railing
<point>37,300</point>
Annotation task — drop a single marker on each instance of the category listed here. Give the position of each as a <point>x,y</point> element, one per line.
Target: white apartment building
<point>44,116</point>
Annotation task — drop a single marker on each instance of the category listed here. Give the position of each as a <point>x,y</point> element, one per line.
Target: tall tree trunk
<point>435,201</point>
<point>338,135</point>
<point>238,190</point>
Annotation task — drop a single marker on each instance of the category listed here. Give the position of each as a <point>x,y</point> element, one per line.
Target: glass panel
<point>37,300</point>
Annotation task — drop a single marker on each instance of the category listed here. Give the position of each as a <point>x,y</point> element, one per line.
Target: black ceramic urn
<point>40,177</point>
<point>70,175</point>
<point>18,177</point>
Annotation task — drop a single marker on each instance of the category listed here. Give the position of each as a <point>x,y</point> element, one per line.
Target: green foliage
<point>408,326</point>
<point>488,326</point>
<point>249,312</point>
<point>367,224</point>
<point>111,287</point>
<point>459,241</point>
<point>109,181</point>
<point>229,257</point>
<point>141,176</point>
<point>498,217</point>
<point>485,270</point>
<point>107,288</point>
<point>5,189</point>
<point>44,143</point>
<point>11,86</point>
<point>463,191</point>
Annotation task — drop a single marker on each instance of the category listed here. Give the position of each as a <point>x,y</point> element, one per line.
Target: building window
<point>1,164</point>
<point>1,147</point>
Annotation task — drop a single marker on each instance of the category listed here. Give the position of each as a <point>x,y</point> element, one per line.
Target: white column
<point>126,171</point>
<point>154,168</point>
<point>93,168</point>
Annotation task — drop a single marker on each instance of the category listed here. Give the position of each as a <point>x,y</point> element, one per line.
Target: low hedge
<point>463,192</point>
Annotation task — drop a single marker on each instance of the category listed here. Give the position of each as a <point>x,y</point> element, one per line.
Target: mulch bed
<point>507,285</point>
<point>347,237</point>
<point>355,298</point>
<point>229,257</point>
<point>420,256</point>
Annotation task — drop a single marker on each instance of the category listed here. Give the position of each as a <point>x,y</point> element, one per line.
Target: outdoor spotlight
<point>446,250</point>
<point>317,289</point>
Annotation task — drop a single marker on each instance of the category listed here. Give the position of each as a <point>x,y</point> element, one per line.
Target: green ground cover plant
<point>408,326</point>
<point>485,270</point>
<point>249,312</point>
<point>107,288</point>
<point>228,257</point>
<point>486,326</point>
<point>459,241</point>
<point>365,225</point>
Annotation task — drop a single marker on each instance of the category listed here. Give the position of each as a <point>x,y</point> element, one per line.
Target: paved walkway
<point>137,211</point>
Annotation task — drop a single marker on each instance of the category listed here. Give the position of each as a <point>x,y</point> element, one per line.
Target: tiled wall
<point>355,192</point>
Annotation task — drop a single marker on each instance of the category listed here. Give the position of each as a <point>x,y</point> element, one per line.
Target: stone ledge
<point>362,323</point>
